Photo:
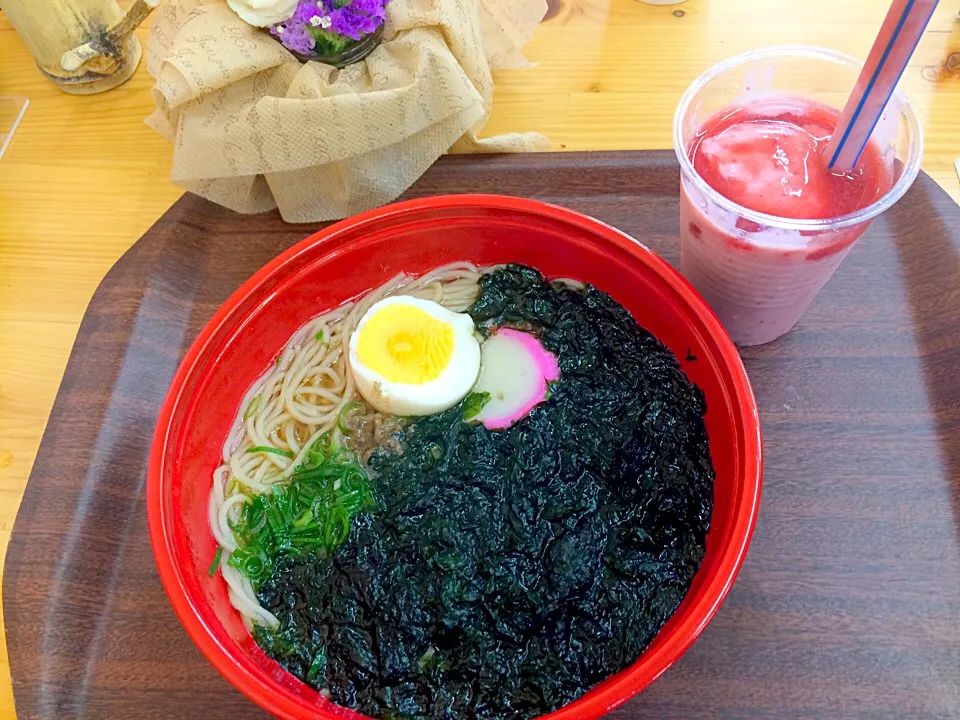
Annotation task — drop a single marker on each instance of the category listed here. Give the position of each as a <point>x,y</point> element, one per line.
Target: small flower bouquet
<point>255,127</point>
<point>336,32</point>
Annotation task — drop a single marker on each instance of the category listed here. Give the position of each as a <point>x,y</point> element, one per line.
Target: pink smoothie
<point>767,156</point>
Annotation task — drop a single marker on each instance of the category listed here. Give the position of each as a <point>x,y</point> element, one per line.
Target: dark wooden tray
<point>848,604</point>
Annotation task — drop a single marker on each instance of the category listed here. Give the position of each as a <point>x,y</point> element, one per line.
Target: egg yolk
<point>406,345</point>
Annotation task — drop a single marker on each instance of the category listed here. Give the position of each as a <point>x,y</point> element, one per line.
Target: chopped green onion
<point>319,337</point>
<point>474,403</point>
<point>319,664</point>
<point>314,457</point>
<point>308,514</point>
<point>426,657</point>
<point>268,449</point>
<point>344,411</point>
<point>252,407</point>
<point>254,566</point>
<point>216,562</point>
<point>234,484</point>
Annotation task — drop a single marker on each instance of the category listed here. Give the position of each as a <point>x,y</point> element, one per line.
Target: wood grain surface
<point>84,177</point>
<point>848,605</point>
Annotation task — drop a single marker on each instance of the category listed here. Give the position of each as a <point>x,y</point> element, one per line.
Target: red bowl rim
<point>630,681</point>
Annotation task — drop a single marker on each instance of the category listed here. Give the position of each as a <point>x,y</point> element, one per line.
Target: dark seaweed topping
<point>502,574</point>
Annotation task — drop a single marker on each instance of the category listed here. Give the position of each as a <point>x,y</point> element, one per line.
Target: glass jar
<point>353,54</point>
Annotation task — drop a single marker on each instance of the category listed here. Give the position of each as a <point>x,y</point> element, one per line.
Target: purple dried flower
<point>371,8</point>
<point>294,36</point>
<point>328,27</point>
<point>350,24</point>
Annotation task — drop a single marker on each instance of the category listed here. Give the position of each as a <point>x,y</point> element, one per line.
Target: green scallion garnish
<point>318,665</point>
<point>216,562</point>
<point>304,518</point>
<point>342,415</point>
<point>252,407</point>
<point>474,403</point>
<point>426,657</point>
<point>272,450</point>
<point>308,515</point>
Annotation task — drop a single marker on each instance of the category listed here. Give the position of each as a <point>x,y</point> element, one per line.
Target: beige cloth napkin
<point>254,129</point>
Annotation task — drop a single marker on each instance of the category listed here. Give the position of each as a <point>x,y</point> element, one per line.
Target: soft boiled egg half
<point>414,357</point>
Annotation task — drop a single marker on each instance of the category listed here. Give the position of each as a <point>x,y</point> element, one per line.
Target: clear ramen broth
<point>472,494</point>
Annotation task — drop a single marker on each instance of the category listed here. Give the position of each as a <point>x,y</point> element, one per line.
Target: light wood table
<point>84,177</point>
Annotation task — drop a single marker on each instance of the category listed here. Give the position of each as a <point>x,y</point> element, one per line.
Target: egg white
<point>442,393</point>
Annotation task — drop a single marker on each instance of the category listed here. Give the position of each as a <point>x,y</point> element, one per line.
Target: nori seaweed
<point>505,573</point>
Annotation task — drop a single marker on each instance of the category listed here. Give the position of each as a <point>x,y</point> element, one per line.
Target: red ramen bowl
<point>346,260</point>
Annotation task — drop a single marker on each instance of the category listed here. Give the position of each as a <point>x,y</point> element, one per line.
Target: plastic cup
<point>760,272</point>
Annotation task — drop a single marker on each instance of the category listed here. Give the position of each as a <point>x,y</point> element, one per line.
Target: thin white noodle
<point>244,599</point>
<point>299,399</point>
<point>569,282</point>
<point>216,502</point>
<point>223,521</point>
